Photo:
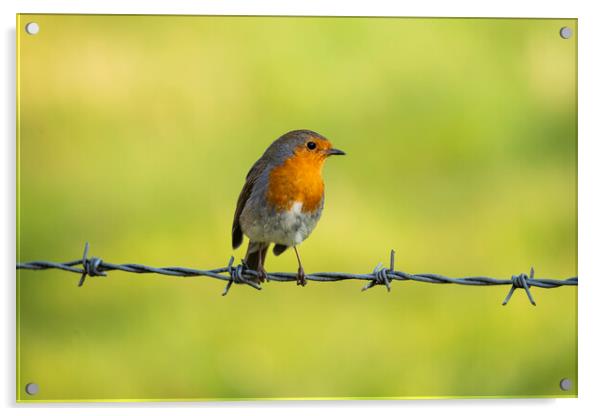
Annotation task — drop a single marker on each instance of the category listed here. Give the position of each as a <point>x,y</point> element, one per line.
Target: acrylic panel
<point>136,133</point>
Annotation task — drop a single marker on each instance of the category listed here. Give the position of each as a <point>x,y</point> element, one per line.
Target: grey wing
<point>247,189</point>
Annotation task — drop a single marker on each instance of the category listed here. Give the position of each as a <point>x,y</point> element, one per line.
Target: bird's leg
<point>300,272</point>
<point>261,273</point>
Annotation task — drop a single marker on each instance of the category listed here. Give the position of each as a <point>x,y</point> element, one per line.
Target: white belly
<point>288,228</point>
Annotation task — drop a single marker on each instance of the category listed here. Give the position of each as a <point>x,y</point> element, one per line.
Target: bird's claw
<point>262,275</point>
<point>301,281</point>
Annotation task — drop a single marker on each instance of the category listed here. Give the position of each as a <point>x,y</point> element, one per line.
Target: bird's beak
<point>332,152</point>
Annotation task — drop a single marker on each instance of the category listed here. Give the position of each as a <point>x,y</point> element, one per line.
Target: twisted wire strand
<point>240,274</point>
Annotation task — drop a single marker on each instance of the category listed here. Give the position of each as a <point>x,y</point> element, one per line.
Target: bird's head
<point>306,146</point>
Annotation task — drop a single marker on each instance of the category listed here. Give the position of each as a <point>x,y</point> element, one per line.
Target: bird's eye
<point>311,145</point>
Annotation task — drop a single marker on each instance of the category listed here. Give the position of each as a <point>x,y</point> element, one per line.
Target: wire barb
<point>236,276</point>
<point>521,281</point>
<point>241,274</point>
<point>90,267</point>
<point>380,274</point>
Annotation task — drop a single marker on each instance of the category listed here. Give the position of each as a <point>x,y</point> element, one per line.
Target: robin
<point>282,198</point>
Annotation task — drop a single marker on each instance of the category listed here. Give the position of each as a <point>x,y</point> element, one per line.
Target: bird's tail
<point>256,253</point>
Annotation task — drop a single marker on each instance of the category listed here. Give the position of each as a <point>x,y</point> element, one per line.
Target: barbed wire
<point>240,274</point>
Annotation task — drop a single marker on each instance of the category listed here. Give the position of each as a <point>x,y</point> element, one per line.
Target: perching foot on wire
<point>262,275</point>
<point>301,280</point>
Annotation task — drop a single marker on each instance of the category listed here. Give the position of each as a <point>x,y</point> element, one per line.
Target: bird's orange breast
<point>298,179</point>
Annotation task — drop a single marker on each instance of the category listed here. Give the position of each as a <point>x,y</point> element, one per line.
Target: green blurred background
<point>136,132</point>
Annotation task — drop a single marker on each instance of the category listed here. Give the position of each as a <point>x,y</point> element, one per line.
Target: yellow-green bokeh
<point>135,133</point>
